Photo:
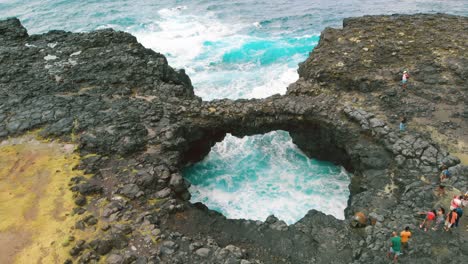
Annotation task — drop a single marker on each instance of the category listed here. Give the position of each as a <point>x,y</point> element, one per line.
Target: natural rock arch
<point>125,105</point>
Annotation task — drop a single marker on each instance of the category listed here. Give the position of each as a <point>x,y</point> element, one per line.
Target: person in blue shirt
<point>445,174</point>
<point>459,212</point>
<point>403,124</point>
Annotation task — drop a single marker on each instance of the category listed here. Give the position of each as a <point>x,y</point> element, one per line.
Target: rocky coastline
<point>137,122</point>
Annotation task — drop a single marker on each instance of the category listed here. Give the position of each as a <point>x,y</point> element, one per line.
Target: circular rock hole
<point>257,176</point>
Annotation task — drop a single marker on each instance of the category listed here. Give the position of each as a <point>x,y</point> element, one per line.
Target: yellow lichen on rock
<point>35,200</point>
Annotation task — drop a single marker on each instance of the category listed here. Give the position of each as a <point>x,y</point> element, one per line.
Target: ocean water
<point>260,175</point>
<point>235,49</point>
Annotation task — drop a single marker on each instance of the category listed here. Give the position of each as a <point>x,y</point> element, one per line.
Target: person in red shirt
<point>430,216</point>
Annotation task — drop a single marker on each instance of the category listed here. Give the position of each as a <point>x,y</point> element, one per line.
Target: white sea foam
<point>198,44</point>
<point>287,184</point>
<point>276,82</point>
<point>181,36</point>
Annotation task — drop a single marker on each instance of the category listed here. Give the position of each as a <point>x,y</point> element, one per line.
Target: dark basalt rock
<point>12,30</point>
<point>106,92</point>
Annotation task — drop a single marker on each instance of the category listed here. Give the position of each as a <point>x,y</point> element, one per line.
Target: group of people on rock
<point>449,220</point>
<point>442,220</point>
<point>436,219</point>
<point>398,243</point>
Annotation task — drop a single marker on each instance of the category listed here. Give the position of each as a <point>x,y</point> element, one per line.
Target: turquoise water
<point>230,49</point>
<point>260,175</point>
<point>235,49</point>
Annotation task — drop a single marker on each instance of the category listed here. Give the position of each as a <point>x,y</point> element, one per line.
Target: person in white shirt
<point>456,202</point>
<point>404,79</point>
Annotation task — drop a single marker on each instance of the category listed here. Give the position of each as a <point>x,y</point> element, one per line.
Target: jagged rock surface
<point>123,102</point>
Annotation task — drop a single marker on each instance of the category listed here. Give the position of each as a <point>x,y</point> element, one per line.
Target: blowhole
<point>267,174</point>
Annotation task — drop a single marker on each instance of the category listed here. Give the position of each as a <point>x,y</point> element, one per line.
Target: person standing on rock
<point>455,203</point>
<point>459,212</point>
<point>403,124</point>
<point>404,80</point>
<point>430,216</point>
<point>440,219</point>
<point>451,219</point>
<point>445,174</point>
<point>405,236</point>
<point>395,247</point>
<point>464,200</point>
